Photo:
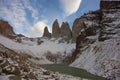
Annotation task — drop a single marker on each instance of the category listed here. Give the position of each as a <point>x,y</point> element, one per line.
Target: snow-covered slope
<point>14,66</point>
<point>32,48</point>
<point>101,58</point>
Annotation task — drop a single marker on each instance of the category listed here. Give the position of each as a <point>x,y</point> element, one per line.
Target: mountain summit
<point>46,33</point>
<point>63,32</point>
<point>55,29</point>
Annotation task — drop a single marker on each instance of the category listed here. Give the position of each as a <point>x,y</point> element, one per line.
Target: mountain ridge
<point>97,37</point>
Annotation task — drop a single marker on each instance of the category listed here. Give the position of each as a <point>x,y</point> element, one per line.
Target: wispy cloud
<point>38,28</point>
<point>70,6</point>
<point>15,13</point>
<point>28,6</point>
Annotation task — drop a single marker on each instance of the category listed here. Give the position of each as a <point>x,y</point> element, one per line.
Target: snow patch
<point>38,50</point>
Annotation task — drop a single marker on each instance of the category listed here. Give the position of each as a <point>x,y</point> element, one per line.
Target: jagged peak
<point>64,22</point>
<point>46,32</point>
<point>55,29</point>
<point>56,21</point>
<point>65,25</point>
<point>46,29</point>
<point>65,30</point>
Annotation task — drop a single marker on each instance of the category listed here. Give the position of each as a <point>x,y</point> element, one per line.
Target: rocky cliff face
<point>97,45</point>
<point>107,20</point>
<point>65,31</point>
<point>77,27</point>
<point>46,33</point>
<point>88,23</point>
<point>6,29</point>
<point>103,24</point>
<point>110,19</point>
<point>55,29</point>
<point>83,28</point>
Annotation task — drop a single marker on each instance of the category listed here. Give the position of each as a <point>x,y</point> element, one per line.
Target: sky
<point>29,17</point>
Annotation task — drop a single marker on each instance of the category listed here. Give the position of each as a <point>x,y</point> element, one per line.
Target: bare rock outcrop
<point>77,27</point>
<point>88,23</point>
<point>6,29</point>
<point>65,31</point>
<point>55,29</point>
<point>46,33</point>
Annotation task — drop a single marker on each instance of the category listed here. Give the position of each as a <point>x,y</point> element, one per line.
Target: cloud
<point>70,6</point>
<point>28,6</point>
<point>15,13</point>
<point>38,28</point>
